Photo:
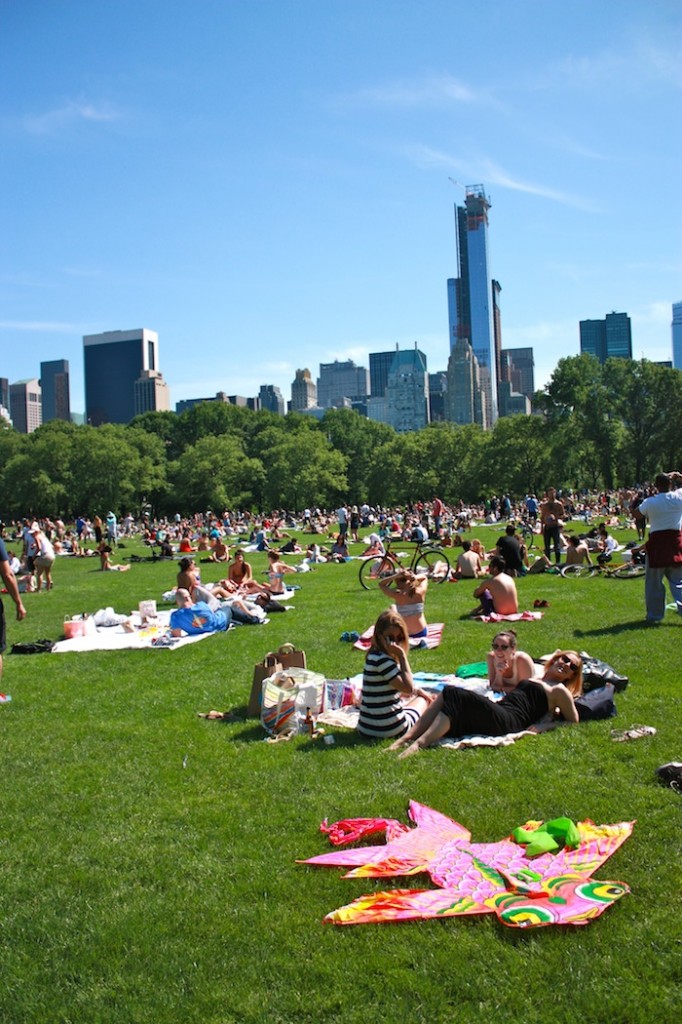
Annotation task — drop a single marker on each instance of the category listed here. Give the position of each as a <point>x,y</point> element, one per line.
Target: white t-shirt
<point>664,510</point>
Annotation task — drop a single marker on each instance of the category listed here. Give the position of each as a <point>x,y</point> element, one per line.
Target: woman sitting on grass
<point>409,593</point>
<point>507,666</point>
<point>387,678</point>
<point>458,712</point>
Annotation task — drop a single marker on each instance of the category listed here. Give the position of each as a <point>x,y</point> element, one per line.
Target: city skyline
<point>292,205</point>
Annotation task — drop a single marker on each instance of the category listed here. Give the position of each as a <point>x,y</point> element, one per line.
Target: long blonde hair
<point>576,684</point>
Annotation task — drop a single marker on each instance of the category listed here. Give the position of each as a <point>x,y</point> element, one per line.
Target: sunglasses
<point>567,661</point>
<point>501,647</point>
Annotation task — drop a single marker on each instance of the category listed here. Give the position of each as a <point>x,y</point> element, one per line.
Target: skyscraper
<point>407,391</point>
<point>151,393</point>
<point>470,295</point>
<point>465,401</point>
<point>303,392</point>
<point>270,397</point>
<point>113,362</point>
<point>677,335</point>
<point>379,365</point>
<point>608,338</point>
<point>54,382</point>
<point>518,369</point>
<point>25,405</point>
<point>339,380</point>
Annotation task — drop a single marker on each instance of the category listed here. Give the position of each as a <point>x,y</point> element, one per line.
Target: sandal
<point>635,732</point>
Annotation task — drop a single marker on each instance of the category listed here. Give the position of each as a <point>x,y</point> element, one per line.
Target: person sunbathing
<point>497,593</point>
<point>276,572</point>
<point>408,590</point>
<point>458,712</point>
<point>194,618</point>
<point>386,680</point>
<point>507,666</point>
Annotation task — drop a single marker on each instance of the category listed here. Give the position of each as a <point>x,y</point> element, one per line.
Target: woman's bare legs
<point>426,737</point>
<point>429,715</point>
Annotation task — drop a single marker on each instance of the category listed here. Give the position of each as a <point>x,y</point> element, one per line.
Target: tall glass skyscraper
<point>470,294</point>
<point>54,381</point>
<point>114,361</point>
<point>677,335</point>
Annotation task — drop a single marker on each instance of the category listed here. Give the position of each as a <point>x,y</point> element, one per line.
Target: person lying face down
<point>458,712</point>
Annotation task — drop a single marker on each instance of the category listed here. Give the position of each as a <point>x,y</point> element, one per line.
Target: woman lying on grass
<point>507,665</point>
<point>458,712</point>
<point>387,677</point>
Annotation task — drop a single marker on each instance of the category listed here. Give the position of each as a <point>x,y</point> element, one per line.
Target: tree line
<point>596,427</point>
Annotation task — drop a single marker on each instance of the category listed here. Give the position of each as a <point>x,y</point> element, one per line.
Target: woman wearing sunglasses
<point>458,712</point>
<point>391,703</point>
<point>507,666</point>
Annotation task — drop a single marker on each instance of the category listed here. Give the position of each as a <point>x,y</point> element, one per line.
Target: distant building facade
<point>465,397</point>
<point>677,335</point>
<point>438,391</point>
<point>270,397</point>
<point>151,393</point>
<point>25,400</point>
<point>245,403</point>
<point>407,391</point>
<point>379,366</point>
<point>54,384</point>
<point>470,294</point>
<point>303,392</point>
<point>113,362</point>
<point>517,367</point>
<point>339,380</point>
<point>608,338</point>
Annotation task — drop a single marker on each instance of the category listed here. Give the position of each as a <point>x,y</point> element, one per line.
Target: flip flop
<point>635,732</point>
<point>217,716</point>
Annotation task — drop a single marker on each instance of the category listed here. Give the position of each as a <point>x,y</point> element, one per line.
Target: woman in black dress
<point>459,712</point>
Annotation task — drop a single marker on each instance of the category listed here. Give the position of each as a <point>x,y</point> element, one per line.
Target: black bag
<point>596,673</point>
<point>33,647</point>
<point>596,704</point>
<point>671,775</point>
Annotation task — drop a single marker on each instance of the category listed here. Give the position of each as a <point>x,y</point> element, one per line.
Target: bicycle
<point>527,534</point>
<point>626,571</point>
<point>426,560</point>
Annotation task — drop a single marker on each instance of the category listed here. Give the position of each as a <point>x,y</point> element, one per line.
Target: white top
<point>664,510</point>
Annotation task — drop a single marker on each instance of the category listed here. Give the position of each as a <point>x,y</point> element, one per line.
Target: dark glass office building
<point>608,338</point>
<point>113,362</point>
<point>54,382</point>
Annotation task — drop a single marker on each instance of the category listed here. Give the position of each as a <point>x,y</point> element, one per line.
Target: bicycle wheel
<point>434,564</point>
<point>528,538</point>
<point>576,571</point>
<point>628,571</point>
<point>372,569</point>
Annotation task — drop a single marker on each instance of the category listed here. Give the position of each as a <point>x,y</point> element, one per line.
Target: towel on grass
<point>516,617</point>
<point>434,633</point>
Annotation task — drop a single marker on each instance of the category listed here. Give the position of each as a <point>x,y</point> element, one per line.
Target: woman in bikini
<point>507,666</point>
<point>408,590</point>
<point>276,572</point>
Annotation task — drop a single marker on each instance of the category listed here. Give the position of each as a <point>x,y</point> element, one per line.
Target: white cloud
<point>430,91</point>
<point>72,112</point>
<point>42,326</point>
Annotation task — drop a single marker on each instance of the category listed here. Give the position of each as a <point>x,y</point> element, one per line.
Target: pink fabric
<point>434,634</point>
<point>516,617</point>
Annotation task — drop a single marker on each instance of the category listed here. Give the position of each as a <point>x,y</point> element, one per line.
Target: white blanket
<point>115,638</point>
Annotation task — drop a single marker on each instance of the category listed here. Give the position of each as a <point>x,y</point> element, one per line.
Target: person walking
<point>663,512</point>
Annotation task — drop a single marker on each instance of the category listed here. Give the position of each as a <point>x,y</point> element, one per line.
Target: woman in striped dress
<point>386,680</point>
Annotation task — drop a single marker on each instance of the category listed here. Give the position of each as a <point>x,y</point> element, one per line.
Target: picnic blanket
<point>516,617</point>
<point>434,633</point>
<point>541,874</point>
<point>115,638</point>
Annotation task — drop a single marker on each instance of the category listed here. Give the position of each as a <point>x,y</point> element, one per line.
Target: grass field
<point>148,856</point>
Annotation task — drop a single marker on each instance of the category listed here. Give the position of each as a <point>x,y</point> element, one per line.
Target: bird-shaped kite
<point>540,875</point>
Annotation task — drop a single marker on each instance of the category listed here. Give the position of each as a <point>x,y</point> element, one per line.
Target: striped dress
<point>382,714</point>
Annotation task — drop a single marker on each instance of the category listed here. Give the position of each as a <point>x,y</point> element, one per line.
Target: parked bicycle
<point>427,560</point>
<point>625,571</point>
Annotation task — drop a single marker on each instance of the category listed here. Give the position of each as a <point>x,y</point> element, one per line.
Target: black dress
<point>471,714</point>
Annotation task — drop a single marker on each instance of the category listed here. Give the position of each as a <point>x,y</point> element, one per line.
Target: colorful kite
<point>540,875</point>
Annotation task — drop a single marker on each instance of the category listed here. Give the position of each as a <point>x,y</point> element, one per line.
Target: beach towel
<point>505,878</point>
<point>434,633</point>
<point>516,617</point>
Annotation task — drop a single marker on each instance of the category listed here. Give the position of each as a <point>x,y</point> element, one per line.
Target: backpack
<point>596,704</point>
<point>33,647</point>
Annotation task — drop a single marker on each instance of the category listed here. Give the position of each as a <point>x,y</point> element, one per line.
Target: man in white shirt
<point>663,512</point>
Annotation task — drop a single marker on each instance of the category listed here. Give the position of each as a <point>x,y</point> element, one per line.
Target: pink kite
<point>524,891</point>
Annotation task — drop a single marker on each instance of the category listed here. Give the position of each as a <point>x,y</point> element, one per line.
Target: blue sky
<point>270,184</point>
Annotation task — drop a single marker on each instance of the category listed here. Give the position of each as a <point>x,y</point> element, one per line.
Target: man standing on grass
<point>663,511</point>
<point>551,516</point>
<point>10,582</point>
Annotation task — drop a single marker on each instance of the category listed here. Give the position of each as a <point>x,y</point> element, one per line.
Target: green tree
<point>215,473</point>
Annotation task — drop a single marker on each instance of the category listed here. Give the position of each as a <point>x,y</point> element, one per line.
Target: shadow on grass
<point>621,627</point>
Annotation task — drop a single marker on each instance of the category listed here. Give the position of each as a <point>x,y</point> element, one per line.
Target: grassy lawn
<point>148,856</point>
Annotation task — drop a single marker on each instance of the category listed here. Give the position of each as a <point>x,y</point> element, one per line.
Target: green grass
<point>148,856</point>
